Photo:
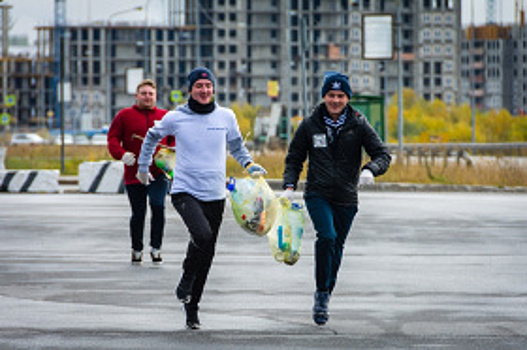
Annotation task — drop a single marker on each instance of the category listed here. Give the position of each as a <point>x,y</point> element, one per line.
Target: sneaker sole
<point>193,326</point>
<point>320,319</point>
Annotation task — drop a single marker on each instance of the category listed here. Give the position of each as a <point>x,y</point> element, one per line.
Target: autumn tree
<point>435,121</point>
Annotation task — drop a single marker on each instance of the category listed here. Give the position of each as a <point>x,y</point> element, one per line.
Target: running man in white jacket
<point>203,132</point>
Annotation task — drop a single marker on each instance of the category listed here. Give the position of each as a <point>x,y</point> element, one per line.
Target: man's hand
<point>255,170</point>
<point>366,178</point>
<point>128,158</point>
<point>144,178</point>
<point>287,195</point>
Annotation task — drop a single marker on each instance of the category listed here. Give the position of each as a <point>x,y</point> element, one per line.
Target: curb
<point>70,185</point>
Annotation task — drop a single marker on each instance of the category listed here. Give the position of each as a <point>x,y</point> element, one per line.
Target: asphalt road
<point>421,270</point>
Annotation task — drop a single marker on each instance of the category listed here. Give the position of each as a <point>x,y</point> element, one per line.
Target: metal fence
<point>454,149</point>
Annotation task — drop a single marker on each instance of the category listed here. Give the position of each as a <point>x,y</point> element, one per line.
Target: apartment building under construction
<point>494,67</point>
<point>267,53</point>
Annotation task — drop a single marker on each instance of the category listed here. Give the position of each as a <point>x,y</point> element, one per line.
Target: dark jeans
<point>203,220</point>
<point>332,224</point>
<point>156,192</point>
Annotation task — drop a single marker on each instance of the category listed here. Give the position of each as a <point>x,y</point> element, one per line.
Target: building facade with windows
<point>430,45</point>
<point>494,68</point>
<point>96,59</point>
<point>250,44</point>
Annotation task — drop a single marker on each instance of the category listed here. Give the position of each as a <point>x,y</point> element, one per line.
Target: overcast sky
<point>26,14</point>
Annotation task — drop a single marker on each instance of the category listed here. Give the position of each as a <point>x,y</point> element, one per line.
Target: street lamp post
<point>472,77</point>
<point>108,58</point>
<point>400,131</point>
<point>146,40</point>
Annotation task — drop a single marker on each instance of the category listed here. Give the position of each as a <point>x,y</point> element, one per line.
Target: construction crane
<point>491,12</point>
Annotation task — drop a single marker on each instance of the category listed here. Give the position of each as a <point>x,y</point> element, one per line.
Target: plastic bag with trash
<point>285,239</point>
<point>253,204</point>
<point>165,160</point>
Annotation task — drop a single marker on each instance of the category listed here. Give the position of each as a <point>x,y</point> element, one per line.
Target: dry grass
<point>49,157</point>
<point>488,171</point>
<point>484,172</point>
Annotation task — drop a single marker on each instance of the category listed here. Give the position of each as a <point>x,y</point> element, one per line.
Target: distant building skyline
<point>26,14</point>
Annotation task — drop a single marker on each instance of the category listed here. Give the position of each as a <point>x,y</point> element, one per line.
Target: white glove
<point>144,178</point>
<point>287,195</point>
<point>366,178</point>
<point>128,158</point>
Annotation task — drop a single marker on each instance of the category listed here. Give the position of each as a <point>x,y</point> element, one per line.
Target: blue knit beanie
<point>200,73</point>
<point>336,81</point>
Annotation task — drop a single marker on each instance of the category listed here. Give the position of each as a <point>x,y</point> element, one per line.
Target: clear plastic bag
<point>165,159</point>
<point>285,239</point>
<point>254,204</point>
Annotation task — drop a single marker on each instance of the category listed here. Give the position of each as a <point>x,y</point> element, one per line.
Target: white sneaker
<point>155,254</point>
<point>137,257</point>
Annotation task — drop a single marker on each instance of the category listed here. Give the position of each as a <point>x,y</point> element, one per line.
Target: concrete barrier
<point>101,177</point>
<point>3,151</point>
<point>29,181</point>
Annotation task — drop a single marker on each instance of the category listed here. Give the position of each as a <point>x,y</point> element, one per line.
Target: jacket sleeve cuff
<point>374,168</point>
<point>142,168</point>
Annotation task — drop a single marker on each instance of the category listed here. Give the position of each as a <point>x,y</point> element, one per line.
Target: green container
<point>372,107</point>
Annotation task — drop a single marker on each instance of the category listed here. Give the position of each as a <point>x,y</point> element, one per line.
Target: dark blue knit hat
<point>200,73</point>
<point>336,81</point>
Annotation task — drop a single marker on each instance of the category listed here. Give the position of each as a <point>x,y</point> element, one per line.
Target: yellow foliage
<point>246,115</point>
<point>435,121</point>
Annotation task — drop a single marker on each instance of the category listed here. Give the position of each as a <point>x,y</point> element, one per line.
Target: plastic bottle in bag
<point>253,204</point>
<point>164,160</point>
<point>285,239</point>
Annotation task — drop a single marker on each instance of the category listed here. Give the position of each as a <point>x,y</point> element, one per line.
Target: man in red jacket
<point>124,143</point>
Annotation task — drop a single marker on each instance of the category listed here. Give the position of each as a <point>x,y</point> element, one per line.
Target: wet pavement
<point>421,270</point>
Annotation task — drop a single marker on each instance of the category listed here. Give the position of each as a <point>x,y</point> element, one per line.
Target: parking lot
<point>421,270</point>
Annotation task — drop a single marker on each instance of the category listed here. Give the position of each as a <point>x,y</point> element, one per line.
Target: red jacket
<point>128,122</point>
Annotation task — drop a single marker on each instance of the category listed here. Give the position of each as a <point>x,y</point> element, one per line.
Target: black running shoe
<point>192,317</point>
<point>320,309</point>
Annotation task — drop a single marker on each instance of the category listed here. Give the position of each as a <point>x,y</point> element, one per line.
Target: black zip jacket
<point>334,168</point>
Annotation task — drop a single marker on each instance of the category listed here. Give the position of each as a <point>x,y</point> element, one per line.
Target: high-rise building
<point>486,57</point>
<point>430,45</point>
<point>98,55</point>
<point>266,52</point>
<point>26,81</point>
<point>519,64</point>
<point>292,43</point>
<point>494,67</point>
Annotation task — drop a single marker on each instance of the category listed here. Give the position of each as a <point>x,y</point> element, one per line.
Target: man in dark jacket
<point>333,138</point>
<point>124,143</point>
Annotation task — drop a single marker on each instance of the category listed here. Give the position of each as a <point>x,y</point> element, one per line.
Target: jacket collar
<point>320,111</point>
<point>136,107</point>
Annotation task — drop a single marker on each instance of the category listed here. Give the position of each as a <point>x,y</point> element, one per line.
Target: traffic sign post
<point>5,119</point>
<point>176,96</point>
<point>10,100</point>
